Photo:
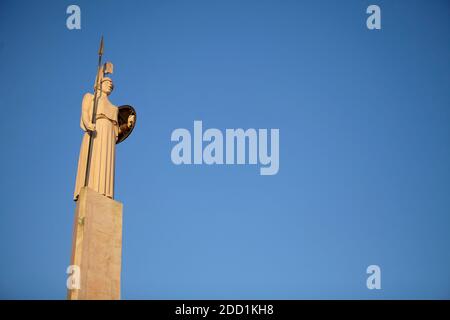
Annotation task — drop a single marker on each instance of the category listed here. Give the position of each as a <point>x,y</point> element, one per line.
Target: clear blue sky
<point>364,119</point>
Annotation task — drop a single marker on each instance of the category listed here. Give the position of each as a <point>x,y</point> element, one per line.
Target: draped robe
<point>101,172</point>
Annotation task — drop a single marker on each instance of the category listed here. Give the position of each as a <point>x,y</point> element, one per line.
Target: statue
<point>104,125</point>
<point>96,260</point>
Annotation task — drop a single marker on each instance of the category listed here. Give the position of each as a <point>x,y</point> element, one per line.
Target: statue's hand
<point>131,119</point>
<point>91,127</point>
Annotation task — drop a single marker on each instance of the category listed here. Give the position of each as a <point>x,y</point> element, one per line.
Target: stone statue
<point>96,260</point>
<point>104,125</point>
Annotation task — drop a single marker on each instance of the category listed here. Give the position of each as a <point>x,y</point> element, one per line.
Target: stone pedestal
<point>97,247</point>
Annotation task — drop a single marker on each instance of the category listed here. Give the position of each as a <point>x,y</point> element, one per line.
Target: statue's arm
<point>86,112</point>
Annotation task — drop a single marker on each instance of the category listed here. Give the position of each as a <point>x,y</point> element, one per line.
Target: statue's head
<point>107,85</point>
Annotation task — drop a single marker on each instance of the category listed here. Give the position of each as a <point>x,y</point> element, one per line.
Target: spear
<point>94,111</point>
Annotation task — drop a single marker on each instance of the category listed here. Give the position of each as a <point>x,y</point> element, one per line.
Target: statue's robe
<point>101,172</point>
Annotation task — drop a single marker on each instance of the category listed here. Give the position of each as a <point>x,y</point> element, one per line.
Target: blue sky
<point>364,146</point>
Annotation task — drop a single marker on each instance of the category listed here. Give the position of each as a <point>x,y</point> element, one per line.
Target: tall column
<point>97,247</point>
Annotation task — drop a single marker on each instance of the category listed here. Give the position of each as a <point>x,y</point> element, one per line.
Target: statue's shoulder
<point>88,95</point>
<point>88,98</point>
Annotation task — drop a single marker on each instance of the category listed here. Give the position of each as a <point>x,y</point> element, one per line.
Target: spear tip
<point>100,50</point>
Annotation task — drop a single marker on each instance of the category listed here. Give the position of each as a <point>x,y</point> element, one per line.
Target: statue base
<point>97,247</point>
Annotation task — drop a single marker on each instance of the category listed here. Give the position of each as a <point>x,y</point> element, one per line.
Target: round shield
<point>124,112</point>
